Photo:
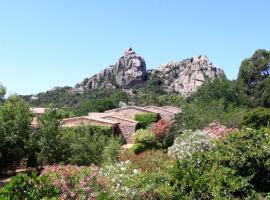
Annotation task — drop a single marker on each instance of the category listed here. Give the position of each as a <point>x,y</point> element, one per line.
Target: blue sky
<point>60,42</point>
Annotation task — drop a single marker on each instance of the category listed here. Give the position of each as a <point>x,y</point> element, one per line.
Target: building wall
<point>125,128</point>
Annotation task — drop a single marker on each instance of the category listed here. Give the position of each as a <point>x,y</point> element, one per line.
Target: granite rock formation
<point>186,76</point>
<point>130,70</point>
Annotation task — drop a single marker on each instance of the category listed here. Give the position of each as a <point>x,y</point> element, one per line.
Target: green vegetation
<point>15,118</point>
<point>146,119</point>
<point>191,163</point>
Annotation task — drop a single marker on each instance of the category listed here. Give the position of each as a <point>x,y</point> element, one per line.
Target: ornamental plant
<point>217,130</point>
<point>73,182</point>
<point>160,129</point>
<point>145,137</point>
<point>188,144</point>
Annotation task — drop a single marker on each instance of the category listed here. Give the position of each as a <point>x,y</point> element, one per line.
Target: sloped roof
<point>93,119</point>
<point>128,108</point>
<point>173,109</point>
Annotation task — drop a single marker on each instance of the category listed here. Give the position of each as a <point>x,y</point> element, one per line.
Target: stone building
<point>122,119</point>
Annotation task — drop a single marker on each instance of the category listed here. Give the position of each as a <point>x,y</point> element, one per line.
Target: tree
<point>254,76</point>
<point>51,149</point>
<point>15,120</point>
<point>2,93</point>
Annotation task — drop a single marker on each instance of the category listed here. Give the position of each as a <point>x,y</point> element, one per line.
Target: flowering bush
<point>123,181</point>
<point>189,143</point>
<point>144,136</point>
<point>160,129</point>
<point>118,177</point>
<point>73,182</point>
<point>215,129</point>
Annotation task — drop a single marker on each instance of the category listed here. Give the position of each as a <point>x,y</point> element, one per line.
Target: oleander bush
<point>237,167</point>
<point>160,129</point>
<point>190,143</point>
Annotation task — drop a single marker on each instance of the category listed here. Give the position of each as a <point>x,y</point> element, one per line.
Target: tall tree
<point>15,120</point>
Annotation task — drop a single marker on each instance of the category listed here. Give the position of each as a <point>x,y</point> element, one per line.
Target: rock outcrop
<point>186,76</point>
<point>129,71</point>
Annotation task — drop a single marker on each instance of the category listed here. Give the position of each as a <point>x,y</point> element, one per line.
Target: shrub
<point>236,168</point>
<point>188,144</point>
<point>137,148</point>
<point>146,119</point>
<point>150,160</point>
<point>23,186</point>
<point>257,118</point>
<point>145,137</point>
<point>73,182</point>
<point>217,130</point>
<point>160,129</point>
<point>90,144</point>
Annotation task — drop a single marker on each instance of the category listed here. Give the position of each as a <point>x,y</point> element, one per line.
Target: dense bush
<point>145,137</point>
<point>146,119</point>
<point>137,148</point>
<point>257,118</point>
<point>23,186</point>
<point>15,120</point>
<point>236,168</point>
<point>160,129</point>
<point>73,182</point>
<point>189,143</point>
<point>90,144</point>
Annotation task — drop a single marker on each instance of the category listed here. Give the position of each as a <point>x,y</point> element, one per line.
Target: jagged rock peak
<point>186,76</point>
<point>129,70</point>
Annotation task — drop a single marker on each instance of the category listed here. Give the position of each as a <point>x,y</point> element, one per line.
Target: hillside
<point>130,77</point>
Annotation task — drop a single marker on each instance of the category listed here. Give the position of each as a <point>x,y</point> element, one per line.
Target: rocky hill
<point>130,71</point>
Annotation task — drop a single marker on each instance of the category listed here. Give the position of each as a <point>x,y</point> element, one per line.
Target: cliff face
<point>186,76</point>
<point>130,70</point>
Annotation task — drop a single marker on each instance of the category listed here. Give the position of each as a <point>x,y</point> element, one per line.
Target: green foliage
<point>137,148</point>
<point>111,151</point>
<point>257,118</point>
<point>254,77</point>
<point>236,168</point>
<point>30,187</point>
<point>50,145</point>
<point>146,119</point>
<point>255,69</point>
<point>2,93</point>
<point>15,120</point>
<point>198,115</point>
<point>145,137</point>
<point>90,144</point>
